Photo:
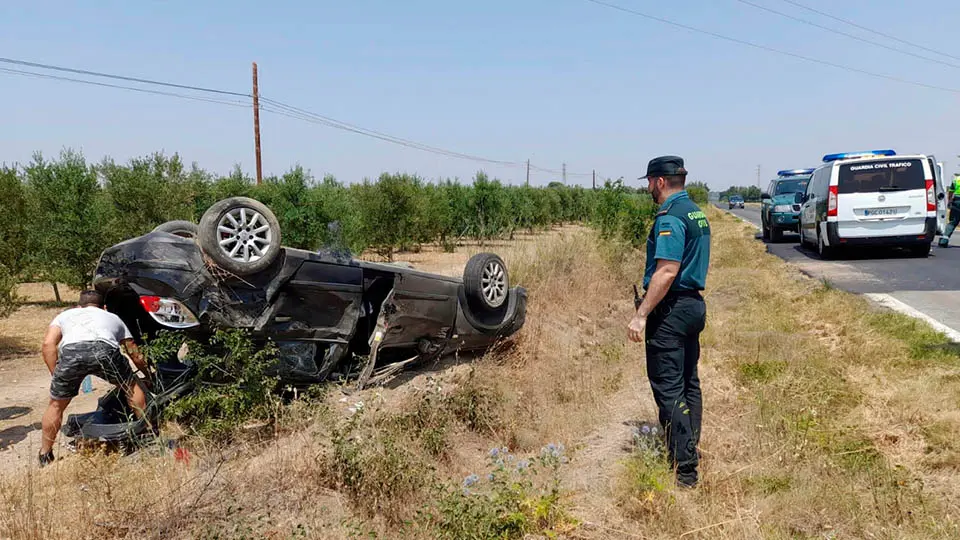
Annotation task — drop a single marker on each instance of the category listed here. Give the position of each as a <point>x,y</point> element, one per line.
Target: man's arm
<point>49,348</point>
<point>669,233</point>
<point>660,284</point>
<point>134,352</point>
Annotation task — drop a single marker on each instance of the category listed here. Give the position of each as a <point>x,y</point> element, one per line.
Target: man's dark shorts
<point>77,360</point>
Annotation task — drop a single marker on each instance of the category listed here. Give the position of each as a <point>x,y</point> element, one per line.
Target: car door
<point>939,193</point>
<point>322,301</point>
<point>808,208</point>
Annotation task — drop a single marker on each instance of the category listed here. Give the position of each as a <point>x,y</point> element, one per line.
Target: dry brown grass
<point>822,418</point>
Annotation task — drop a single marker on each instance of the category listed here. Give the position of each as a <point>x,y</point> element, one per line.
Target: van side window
<point>814,182</point>
<point>824,187</point>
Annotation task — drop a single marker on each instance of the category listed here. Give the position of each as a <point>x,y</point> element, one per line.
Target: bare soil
<point>24,379</point>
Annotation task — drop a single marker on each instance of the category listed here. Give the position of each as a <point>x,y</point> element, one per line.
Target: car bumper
<point>930,230</point>
<point>785,221</point>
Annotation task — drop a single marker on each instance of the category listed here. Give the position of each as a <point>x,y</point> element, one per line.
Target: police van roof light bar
<point>847,155</point>
<point>795,172</point>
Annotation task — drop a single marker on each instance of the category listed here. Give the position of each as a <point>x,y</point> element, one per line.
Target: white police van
<point>874,198</point>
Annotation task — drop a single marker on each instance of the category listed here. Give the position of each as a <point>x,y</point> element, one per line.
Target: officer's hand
<point>636,328</point>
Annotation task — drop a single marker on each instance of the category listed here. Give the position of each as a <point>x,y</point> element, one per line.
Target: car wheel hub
<point>494,283</point>
<point>245,235</point>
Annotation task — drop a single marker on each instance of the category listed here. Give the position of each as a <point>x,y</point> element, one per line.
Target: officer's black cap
<point>665,166</point>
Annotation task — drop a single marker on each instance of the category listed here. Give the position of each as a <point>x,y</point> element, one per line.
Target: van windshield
<point>881,176</point>
<point>792,186</point>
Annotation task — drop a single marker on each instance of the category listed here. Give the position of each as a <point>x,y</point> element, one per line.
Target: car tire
<point>776,235</point>
<point>486,281</point>
<point>233,230</point>
<point>185,229</point>
<point>826,252</point>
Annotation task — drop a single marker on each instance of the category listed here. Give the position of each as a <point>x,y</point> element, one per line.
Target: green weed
<point>516,498</point>
<point>760,371</point>
<point>234,386</point>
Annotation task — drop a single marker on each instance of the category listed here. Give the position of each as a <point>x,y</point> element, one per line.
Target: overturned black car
<point>326,311</point>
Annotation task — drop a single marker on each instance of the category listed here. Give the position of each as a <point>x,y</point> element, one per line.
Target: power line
<point>122,87</point>
<point>554,171</point>
<point>772,49</point>
<point>290,111</point>
<point>120,77</point>
<point>879,33</point>
<point>270,105</point>
<point>846,34</point>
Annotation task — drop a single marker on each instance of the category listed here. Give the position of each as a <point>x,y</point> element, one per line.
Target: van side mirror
<point>799,198</point>
<point>765,196</point>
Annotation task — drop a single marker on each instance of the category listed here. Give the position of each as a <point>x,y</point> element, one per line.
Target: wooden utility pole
<point>564,174</point>
<point>256,123</point>
<point>594,179</point>
<point>528,173</point>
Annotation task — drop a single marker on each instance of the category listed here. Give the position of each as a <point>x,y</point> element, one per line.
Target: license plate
<point>875,212</point>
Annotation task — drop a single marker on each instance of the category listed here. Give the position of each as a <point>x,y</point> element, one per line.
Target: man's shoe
<point>687,483</point>
<point>46,459</point>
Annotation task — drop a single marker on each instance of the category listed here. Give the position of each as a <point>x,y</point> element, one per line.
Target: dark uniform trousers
<point>673,351</point>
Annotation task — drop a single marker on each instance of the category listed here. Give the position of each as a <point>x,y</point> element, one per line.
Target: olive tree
<point>70,215</point>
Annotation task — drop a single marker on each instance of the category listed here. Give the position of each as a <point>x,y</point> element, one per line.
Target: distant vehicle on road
<point>779,210</point>
<point>735,201</point>
<point>874,198</point>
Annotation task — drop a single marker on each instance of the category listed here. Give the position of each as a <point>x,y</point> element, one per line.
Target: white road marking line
<point>748,222</point>
<point>890,302</point>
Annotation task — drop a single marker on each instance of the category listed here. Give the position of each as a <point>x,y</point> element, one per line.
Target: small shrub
<point>377,471</point>
<point>477,405</point>
<point>643,489</point>
<point>429,419</point>
<point>234,386</point>
<point>516,498</point>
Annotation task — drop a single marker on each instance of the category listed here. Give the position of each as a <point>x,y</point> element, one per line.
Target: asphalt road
<point>930,286</point>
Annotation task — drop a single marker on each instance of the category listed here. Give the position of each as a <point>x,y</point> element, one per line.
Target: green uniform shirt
<point>680,233</point>
<point>955,187</point>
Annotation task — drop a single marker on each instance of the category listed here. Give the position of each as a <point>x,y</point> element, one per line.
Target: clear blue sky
<point>554,81</point>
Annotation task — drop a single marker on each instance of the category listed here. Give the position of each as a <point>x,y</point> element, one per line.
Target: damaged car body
<point>326,311</point>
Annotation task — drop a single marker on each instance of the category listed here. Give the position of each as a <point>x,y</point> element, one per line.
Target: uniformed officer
<point>672,313</point>
<point>953,202</point>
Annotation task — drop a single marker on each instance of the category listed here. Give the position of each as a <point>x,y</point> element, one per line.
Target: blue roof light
<point>846,155</point>
<point>795,172</point>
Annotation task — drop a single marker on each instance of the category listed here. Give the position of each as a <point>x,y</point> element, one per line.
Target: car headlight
<point>169,312</point>
<point>782,208</point>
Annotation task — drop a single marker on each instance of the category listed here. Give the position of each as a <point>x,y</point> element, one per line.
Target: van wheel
<point>826,252</point>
